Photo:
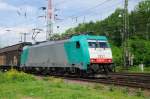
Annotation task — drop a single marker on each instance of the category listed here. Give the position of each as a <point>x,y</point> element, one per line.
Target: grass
<point>135,69</point>
<point>18,85</point>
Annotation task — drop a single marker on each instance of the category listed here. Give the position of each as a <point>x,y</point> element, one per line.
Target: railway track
<point>136,80</point>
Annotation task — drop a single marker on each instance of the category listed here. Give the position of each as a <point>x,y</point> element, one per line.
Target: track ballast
<point>136,80</point>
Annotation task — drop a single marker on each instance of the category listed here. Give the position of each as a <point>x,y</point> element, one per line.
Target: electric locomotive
<point>83,53</point>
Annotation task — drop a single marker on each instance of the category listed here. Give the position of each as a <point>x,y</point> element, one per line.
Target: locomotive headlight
<point>92,60</point>
<point>109,60</point>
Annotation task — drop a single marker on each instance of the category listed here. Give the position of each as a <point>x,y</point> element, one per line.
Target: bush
<point>14,76</point>
<point>117,55</point>
<point>2,78</point>
<point>53,79</point>
<point>111,88</point>
<point>98,87</point>
<point>139,93</point>
<point>126,90</point>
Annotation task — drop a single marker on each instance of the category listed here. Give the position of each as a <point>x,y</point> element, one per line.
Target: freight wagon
<point>10,56</point>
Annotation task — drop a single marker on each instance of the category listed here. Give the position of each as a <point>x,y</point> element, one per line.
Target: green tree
<point>112,27</point>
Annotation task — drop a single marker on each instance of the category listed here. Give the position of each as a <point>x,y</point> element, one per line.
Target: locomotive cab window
<point>98,44</point>
<point>93,44</point>
<point>77,44</point>
<point>103,44</point>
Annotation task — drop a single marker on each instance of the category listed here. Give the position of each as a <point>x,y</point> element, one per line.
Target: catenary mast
<point>49,20</point>
<point>126,36</point>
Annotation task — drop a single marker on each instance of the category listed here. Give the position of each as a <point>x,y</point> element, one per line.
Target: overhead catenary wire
<point>88,12</point>
<point>108,7</point>
<point>84,11</point>
<point>89,9</point>
<point>61,2</point>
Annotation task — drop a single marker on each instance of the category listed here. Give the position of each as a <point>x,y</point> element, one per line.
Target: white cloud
<point>13,36</point>
<point>16,29</point>
<point>4,6</point>
<point>28,8</point>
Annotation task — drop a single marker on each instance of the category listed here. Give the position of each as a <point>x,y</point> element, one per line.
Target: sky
<point>22,16</point>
